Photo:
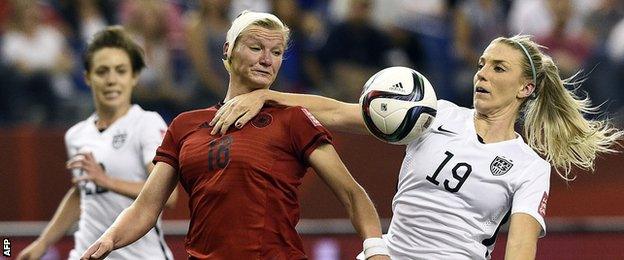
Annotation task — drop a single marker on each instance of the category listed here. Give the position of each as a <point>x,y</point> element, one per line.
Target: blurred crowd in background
<point>336,45</point>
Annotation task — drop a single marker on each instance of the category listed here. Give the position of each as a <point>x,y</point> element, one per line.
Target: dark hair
<point>115,37</point>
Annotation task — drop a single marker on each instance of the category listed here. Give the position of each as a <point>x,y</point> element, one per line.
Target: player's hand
<point>98,250</point>
<point>34,251</point>
<point>238,111</point>
<point>379,257</point>
<point>92,170</point>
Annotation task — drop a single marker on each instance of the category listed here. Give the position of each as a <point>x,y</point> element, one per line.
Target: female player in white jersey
<point>471,172</point>
<point>110,154</point>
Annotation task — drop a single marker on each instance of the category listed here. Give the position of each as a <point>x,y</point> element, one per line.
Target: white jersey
<point>123,149</point>
<point>454,192</point>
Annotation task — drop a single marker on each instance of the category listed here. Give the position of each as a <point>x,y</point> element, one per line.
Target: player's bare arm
<point>329,167</point>
<point>140,217</point>
<point>67,213</point>
<point>524,231</point>
<point>333,114</point>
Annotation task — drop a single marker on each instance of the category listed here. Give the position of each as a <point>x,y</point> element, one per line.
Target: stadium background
<point>336,46</point>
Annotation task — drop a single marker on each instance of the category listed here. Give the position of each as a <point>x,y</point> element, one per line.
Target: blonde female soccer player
<point>471,172</point>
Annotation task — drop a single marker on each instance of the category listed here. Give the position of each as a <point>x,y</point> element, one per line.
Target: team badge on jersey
<point>119,140</point>
<point>500,166</point>
<point>262,120</point>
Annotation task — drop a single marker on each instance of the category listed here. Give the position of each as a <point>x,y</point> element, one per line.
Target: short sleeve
<point>306,132</point>
<point>151,136</point>
<point>532,195</point>
<point>169,150</point>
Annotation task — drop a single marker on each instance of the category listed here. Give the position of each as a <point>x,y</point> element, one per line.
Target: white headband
<point>244,20</point>
<point>526,52</point>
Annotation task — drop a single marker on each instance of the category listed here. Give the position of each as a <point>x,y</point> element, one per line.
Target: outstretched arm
<point>524,231</point>
<point>135,221</point>
<point>329,167</point>
<point>67,213</point>
<point>333,114</point>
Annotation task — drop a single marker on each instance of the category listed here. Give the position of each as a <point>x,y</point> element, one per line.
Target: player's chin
<point>479,104</point>
<point>112,104</point>
<point>262,82</point>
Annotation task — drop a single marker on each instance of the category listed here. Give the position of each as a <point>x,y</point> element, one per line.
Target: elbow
<point>354,196</point>
<point>171,204</point>
<point>519,250</point>
<point>173,200</point>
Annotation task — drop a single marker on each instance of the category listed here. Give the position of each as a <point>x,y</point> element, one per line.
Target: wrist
<point>42,242</point>
<point>265,94</point>
<point>375,246</point>
<point>106,182</point>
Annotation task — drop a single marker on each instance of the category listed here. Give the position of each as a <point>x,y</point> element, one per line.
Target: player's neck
<point>494,129</point>
<point>237,88</point>
<point>106,117</point>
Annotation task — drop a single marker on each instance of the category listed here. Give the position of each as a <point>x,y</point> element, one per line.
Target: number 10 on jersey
<point>219,153</point>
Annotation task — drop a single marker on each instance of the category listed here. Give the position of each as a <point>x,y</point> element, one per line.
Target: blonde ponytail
<point>554,120</point>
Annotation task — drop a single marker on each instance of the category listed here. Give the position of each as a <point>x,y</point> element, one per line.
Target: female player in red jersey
<point>242,185</point>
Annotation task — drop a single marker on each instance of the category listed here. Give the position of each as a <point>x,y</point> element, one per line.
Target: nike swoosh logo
<point>445,131</point>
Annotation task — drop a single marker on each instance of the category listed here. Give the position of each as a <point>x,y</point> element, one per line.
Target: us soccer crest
<point>119,140</point>
<point>500,166</point>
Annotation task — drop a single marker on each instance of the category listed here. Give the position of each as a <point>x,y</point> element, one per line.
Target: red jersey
<point>243,185</point>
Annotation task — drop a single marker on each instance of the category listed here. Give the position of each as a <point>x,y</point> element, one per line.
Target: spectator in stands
<point>301,68</point>
<point>205,29</point>
<point>476,23</point>
<point>157,89</point>
<point>41,57</point>
<point>354,50</point>
<point>570,50</point>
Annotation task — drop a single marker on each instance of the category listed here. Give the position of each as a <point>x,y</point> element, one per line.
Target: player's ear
<point>87,78</point>
<point>225,49</point>
<point>526,90</point>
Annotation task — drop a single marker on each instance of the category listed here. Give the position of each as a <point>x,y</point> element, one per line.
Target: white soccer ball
<point>398,105</point>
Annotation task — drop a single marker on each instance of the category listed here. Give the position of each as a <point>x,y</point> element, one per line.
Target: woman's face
<point>111,78</point>
<point>257,57</point>
<point>499,84</point>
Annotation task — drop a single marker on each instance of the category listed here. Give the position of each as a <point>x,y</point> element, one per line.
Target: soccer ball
<point>398,104</point>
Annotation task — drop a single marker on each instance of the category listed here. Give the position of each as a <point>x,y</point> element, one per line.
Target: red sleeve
<point>169,150</point>
<point>306,133</point>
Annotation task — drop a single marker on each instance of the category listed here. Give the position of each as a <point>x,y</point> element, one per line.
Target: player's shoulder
<point>145,116</point>
<point>78,128</point>
<point>281,110</point>
<point>292,114</point>
<point>450,112</point>
<point>446,106</point>
<point>194,117</point>
<point>196,113</point>
<point>297,111</point>
<point>528,160</point>
<point>533,156</point>
<point>278,108</point>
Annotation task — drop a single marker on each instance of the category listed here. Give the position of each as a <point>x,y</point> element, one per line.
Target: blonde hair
<point>554,116</point>
<point>246,19</point>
